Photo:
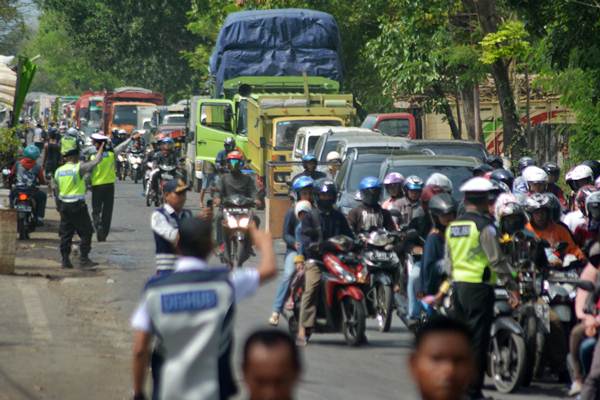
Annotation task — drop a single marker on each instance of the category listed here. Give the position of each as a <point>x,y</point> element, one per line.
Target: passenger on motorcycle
<point>27,176</point>
<point>592,205</point>
<point>309,163</point>
<point>334,162</point>
<point>323,223</point>
<point>536,180</point>
<point>579,176</point>
<point>303,188</point>
<point>393,186</point>
<point>441,181</point>
<point>578,221</point>
<point>553,171</point>
<point>413,187</point>
<point>541,224</point>
<point>519,184</point>
<point>370,215</point>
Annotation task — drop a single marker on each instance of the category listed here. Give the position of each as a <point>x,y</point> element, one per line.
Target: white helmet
<point>579,172</point>
<point>440,180</point>
<point>535,174</point>
<point>333,155</point>
<point>502,201</point>
<point>477,185</point>
<point>302,206</point>
<point>72,132</point>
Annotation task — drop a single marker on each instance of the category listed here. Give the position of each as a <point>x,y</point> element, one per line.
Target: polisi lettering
<point>198,300</point>
<point>460,230</point>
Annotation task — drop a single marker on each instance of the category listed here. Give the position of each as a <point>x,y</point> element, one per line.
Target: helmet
<point>594,165</point>
<point>122,132</point>
<point>551,168</point>
<point>535,174</point>
<point>31,151</point>
<point>229,144</point>
<point>323,186</point>
<point>370,190</point>
<point>495,161</point>
<point>441,180</point>
<point>481,169</point>
<point>302,182</point>
<point>413,182</point>
<point>502,200</point>
<point>333,155</point>
<point>505,211</point>
<point>592,206</point>
<point>504,176</point>
<point>581,197</point>
<point>538,201</point>
<point>235,155</point>
<point>441,204</point>
<point>477,185</point>
<point>525,162</point>
<point>554,206</point>
<point>500,187</point>
<point>72,132</point>
<point>393,178</point>
<point>166,140</point>
<point>309,157</point>
<point>580,172</point>
<point>302,206</point>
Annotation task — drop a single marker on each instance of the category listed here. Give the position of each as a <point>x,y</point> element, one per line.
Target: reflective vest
<point>469,262</point>
<point>104,173</point>
<point>71,186</point>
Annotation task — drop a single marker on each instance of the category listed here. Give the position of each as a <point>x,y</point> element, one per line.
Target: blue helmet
<point>302,182</point>
<point>413,182</point>
<point>309,157</point>
<point>166,140</point>
<point>369,182</point>
<point>31,151</point>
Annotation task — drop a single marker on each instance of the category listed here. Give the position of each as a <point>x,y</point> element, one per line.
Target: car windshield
<point>457,174</point>
<point>359,171</point>
<point>285,131</point>
<point>452,150</point>
<point>125,115</point>
<point>312,141</point>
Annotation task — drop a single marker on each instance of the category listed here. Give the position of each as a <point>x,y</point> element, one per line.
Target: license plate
<point>542,311</point>
<point>23,208</point>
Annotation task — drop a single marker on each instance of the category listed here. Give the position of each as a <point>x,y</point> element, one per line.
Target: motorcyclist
<point>393,186</point>
<point>441,181</point>
<point>536,180</point>
<point>309,163</point>
<point>28,175</point>
<point>221,159</point>
<point>413,187</point>
<point>165,156</point>
<point>519,184</point>
<point>334,162</point>
<point>504,176</point>
<point>592,205</point>
<point>578,176</point>
<point>580,223</point>
<point>323,223</point>
<point>370,215</point>
<point>541,224</point>
<point>553,171</point>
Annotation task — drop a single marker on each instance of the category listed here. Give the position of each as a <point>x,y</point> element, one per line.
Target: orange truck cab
<point>393,124</point>
<point>122,106</point>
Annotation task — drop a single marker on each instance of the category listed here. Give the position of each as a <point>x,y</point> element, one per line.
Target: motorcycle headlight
<point>232,222</point>
<point>244,222</point>
<point>346,276</point>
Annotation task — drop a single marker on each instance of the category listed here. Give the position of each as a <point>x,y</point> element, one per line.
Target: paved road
<point>334,370</point>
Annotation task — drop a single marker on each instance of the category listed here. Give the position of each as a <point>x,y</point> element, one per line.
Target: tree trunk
<point>448,113</point>
<point>488,19</point>
<point>467,96</point>
<point>458,115</point>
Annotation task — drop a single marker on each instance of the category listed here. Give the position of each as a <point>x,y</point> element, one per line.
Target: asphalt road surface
<point>68,337</point>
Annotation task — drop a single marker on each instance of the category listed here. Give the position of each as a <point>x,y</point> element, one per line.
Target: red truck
<point>393,124</point>
<point>124,108</point>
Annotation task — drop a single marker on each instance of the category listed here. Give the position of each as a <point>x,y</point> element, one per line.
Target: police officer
<point>476,258</point>
<point>74,216</point>
<point>103,179</point>
<point>70,142</point>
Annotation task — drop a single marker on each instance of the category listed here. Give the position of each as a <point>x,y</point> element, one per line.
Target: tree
<point>12,26</point>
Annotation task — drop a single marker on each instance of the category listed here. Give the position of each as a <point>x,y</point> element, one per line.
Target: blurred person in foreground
<point>442,363</point>
<point>271,365</point>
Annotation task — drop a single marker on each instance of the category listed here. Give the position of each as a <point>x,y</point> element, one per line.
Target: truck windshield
<point>174,120</point>
<point>125,115</point>
<point>394,127</point>
<point>285,131</point>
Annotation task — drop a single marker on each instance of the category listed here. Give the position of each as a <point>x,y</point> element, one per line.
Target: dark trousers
<point>103,198</point>
<point>74,217</point>
<point>474,304</point>
<point>591,385</point>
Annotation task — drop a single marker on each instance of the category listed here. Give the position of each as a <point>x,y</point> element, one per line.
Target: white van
<point>306,139</point>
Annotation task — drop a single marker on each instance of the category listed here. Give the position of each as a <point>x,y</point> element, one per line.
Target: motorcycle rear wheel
<point>384,307</point>
<point>21,227</point>
<point>510,358</point>
<point>354,321</point>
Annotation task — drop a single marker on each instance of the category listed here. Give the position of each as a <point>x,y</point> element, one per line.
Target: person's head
<point>370,190</point>
<point>592,205</point>
<point>553,171</point>
<point>175,192</point>
<point>393,184</point>
<point>441,181</point>
<point>98,139</point>
<point>122,133</point>
<point>334,161</point>
<point>299,261</point>
<point>538,207</point>
<point>442,363</point>
<point>442,208</point>
<point>235,162</point>
<point>525,162</point>
<point>72,132</point>
<point>594,166</point>
<point>536,178</point>
<point>271,365</point>
<point>581,197</point>
<point>302,208</point>
<point>195,238</point>
<point>32,152</point>
<point>509,214</point>
<point>309,162</point>
<point>495,161</point>
<point>325,194</point>
<point>71,156</point>
<point>413,186</point>
<point>303,187</point>
<point>229,144</point>
<point>504,176</point>
<point>478,194</point>
<point>166,145</point>
<point>482,169</point>
<point>579,176</point>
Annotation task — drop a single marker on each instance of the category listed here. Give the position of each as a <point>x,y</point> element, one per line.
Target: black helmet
<point>495,161</point>
<point>229,144</point>
<point>441,204</point>
<point>594,165</point>
<point>482,169</point>
<point>551,168</point>
<point>321,186</point>
<point>504,176</point>
<point>525,162</point>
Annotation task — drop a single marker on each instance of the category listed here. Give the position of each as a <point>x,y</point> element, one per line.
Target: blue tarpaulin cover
<point>280,42</point>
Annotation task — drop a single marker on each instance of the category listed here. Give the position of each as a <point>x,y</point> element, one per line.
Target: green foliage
<point>509,42</point>
<point>9,144</point>
<point>12,27</point>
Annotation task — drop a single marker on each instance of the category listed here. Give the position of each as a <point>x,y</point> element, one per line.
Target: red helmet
<point>235,155</point>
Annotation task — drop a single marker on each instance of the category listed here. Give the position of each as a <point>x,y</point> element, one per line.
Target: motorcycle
<point>410,251</point>
<point>122,166</point>
<point>24,204</point>
<point>382,262</point>
<point>134,160</point>
<point>150,167</point>
<point>156,181</point>
<point>340,305</point>
<point>237,214</point>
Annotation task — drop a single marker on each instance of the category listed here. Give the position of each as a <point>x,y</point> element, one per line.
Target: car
<point>306,140</point>
<point>369,144</point>
<point>329,140</point>
<point>451,147</point>
<point>457,168</point>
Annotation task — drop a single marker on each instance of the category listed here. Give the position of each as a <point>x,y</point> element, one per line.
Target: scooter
<point>237,214</point>
<point>135,163</point>
<point>122,166</point>
<point>341,302</point>
<point>155,183</point>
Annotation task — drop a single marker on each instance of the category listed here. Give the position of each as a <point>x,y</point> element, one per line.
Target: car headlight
<point>232,222</point>
<point>244,221</point>
<point>281,177</point>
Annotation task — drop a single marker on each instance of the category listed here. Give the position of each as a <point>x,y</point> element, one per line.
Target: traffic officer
<point>476,259</point>
<point>103,179</point>
<point>74,216</point>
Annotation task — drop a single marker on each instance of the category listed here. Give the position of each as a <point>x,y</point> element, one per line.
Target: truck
<point>121,107</point>
<point>401,124</point>
<point>272,72</point>
<point>88,111</point>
